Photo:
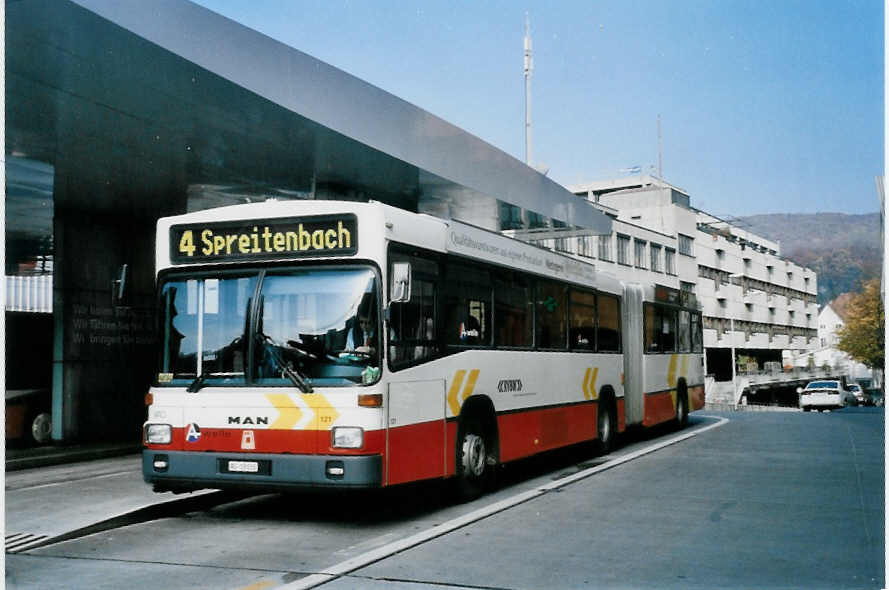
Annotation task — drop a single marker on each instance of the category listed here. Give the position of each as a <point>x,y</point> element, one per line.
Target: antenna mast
<point>660,163</point>
<point>529,67</point>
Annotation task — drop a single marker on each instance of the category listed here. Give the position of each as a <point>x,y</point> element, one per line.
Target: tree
<point>862,337</point>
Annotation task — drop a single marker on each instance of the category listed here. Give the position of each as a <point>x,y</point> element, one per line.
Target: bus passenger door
<point>416,432</point>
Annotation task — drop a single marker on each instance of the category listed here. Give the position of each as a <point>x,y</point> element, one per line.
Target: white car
<point>827,394</point>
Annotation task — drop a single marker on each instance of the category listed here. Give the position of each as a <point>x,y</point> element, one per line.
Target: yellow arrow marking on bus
<point>470,384</point>
<point>589,383</point>
<point>455,400</point>
<point>454,390</point>
<point>671,372</point>
<point>325,414</point>
<point>288,413</point>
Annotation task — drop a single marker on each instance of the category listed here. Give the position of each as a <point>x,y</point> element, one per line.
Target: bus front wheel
<point>474,461</point>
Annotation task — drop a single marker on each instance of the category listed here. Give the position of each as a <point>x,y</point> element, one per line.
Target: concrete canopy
<point>154,100</point>
<point>122,111</point>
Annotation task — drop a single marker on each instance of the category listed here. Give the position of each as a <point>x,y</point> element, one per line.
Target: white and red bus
<point>342,344</point>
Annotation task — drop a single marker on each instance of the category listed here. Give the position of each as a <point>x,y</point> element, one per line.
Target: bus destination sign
<point>327,235</point>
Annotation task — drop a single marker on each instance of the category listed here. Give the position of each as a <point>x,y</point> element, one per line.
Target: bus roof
<point>394,224</point>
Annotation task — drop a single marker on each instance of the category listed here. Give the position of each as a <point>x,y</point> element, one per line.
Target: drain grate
<point>18,542</point>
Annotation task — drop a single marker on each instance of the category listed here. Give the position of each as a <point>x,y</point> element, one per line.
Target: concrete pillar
<point>103,355</point>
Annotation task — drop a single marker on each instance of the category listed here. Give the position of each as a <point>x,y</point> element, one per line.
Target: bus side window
<point>412,333</point>
<point>608,323</point>
<point>697,335</point>
<point>684,331</point>
<point>551,318</point>
<point>582,321</point>
<point>667,333</point>
<point>467,306</point>
<point>513,310</point>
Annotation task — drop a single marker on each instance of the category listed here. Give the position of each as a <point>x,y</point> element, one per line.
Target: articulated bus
<point>356,345</point>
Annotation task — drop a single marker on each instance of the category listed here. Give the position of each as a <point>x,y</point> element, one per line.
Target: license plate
<point>243,466</point>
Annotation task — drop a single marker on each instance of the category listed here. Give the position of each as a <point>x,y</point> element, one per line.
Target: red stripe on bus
<point>621,415</point>
<point>696,397</point>
<point>658,408</point>
<point>233,440</point>
<point>524,433</point>
<point>417,452</point>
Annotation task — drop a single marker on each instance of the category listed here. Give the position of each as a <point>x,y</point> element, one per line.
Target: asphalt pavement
<point>767,500</point>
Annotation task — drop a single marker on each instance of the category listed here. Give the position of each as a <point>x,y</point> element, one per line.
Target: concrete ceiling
<point>137,108</point>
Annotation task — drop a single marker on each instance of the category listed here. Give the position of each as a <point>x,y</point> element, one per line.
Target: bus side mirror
<point>119,287</point>
<point>400,291</point>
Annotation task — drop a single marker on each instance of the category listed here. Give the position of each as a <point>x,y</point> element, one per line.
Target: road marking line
<point>350,565</point>
<point>68,481</point>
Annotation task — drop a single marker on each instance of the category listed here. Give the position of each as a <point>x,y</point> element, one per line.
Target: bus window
<point>212,311</point>
<point>412,334</point>
<point>608,316</point>
<point>667,333</point>
<point>513,311</point>
<point>467,306</point>
<point>551,332</point>
<point>660,329</point>
<point>697,336</point>
<point>582,321</point>
<point>684,331</point>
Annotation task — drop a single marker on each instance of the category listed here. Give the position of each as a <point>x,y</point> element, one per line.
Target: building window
<point>623,249</point>
<point>585,246</point>
<point>639,253</point>
<point>655,258</point>
<point>686,245</point>
<point>536,220</point>
<point>510,216</point>
<point>670,261</point>
<point>605,248</point>
<point>689,287</point>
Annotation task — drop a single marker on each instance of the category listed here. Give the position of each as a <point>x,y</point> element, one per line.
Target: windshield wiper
<point>286,371</point>
<point>197,383</point>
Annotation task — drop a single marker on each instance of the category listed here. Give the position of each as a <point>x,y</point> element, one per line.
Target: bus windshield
<point>310,327</point>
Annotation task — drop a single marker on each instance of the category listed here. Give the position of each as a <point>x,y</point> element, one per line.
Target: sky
<point>767,106</point>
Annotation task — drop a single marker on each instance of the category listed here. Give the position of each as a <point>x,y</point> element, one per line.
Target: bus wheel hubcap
<point>604,426</point>
<point>474,455</point>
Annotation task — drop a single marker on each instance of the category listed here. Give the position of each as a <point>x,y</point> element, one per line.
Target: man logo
<point>247,440</point>
<point>193,434</point>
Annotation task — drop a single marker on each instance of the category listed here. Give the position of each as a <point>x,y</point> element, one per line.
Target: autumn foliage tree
<point>862,337</point>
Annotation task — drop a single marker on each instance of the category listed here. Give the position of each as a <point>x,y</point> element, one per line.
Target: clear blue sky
<point>768,106</point>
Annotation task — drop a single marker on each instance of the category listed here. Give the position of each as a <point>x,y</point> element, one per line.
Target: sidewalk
<point>28,458</point>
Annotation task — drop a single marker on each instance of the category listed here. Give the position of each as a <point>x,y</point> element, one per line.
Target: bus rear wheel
<point>681,410</point>
<point>474,461</point>
<point>605,426</point>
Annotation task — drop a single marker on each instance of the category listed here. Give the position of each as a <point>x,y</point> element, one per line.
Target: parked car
<point>861,397</point>
<point>825,394</point>
<point>29,416</point>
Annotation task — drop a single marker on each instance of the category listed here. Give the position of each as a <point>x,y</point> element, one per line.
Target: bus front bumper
<point>188,471</point>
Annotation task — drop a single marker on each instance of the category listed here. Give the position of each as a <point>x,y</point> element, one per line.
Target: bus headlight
<point>158,434</point>
<point>347,437</point>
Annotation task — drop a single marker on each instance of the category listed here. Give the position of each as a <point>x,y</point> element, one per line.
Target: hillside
<point>844,250</point>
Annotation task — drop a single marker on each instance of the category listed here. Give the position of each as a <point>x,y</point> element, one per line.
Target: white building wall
<point>770,300</point>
